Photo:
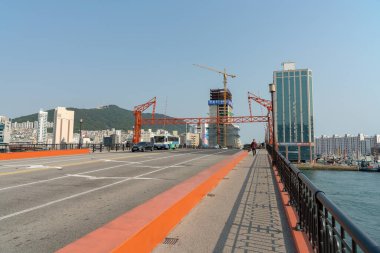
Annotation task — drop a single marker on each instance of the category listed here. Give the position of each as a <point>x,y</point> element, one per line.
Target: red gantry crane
<point>139,121</point>
<point>137,111</point>
<point>267,104</point>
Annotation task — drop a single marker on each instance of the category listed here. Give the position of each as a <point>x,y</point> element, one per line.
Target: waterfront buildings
<point>218,109</point>
<point>63,129</point>
<point>42,127</point>
<point>346,146</point>
<point>5,130</point>
<point>294,112</point>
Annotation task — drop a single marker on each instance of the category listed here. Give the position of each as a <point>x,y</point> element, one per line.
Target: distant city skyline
<point>74,54</point>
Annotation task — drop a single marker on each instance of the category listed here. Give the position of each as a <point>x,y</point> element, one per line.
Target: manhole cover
<point>170,241</point>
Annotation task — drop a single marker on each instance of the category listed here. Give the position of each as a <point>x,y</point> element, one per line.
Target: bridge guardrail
<point>328,228</point>
<point>24,147</point>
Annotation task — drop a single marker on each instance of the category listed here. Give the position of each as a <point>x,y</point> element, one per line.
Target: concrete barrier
<point>36,154</point>
<point>142,228</point>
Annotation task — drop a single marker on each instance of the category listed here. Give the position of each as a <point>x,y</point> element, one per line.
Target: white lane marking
<point>27,162</point>
<point>42,167</point>
<point>56,178</point>
<point>96,189</point>
<point>57,159</point>
<point>36,166</point>
<point>147,166</point>
<point>173,166</point>
<point>146,178</point>
<point>60,200</point>
<point>116,161</point>
<point>96,178</point>
<point>93,177</point>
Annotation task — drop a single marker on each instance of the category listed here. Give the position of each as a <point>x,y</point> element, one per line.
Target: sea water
<point>356,193</point>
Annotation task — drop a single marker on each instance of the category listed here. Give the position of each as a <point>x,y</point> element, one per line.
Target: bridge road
<point>242,214</point>
<point>47,203</point>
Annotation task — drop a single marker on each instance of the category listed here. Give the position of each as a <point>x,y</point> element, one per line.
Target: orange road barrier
<point>36,154</point>
<point>300,239</point>
<point>142,228</point>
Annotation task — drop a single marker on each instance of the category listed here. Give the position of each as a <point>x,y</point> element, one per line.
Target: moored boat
<point>369,166</point>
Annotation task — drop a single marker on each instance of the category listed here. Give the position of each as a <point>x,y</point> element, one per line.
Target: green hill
<point>106,117</point>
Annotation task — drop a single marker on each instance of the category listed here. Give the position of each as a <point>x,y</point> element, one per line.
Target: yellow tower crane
<point>225,75</point>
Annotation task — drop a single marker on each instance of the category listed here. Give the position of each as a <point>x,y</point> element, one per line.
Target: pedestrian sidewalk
<point>242,214</point>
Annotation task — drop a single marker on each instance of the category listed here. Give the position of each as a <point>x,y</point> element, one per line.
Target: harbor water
<point>356,193</point>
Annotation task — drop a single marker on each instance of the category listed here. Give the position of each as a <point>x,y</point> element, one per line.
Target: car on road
<point>142,146</point>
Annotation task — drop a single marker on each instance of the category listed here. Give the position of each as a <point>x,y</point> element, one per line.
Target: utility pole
<point>80,133</point>
<point>272,90</point>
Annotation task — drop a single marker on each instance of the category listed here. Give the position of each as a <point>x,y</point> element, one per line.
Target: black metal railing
<point>327,227</point>
<point>24,147</point>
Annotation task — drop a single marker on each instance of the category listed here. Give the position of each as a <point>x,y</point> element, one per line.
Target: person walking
<point>254,147</point>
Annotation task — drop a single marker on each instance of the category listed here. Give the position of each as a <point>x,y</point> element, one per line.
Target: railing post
<point>299,205</point>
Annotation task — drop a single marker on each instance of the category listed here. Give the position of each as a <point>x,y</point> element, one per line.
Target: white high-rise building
<point>5,130</point>
<point>42,127</point>
<point>63,126</point>
<point>204,134</point>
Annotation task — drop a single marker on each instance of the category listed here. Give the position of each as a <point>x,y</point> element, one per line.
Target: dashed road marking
<point>86,172</point>
<point>141,176</point>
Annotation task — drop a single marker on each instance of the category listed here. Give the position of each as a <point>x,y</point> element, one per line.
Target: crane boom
<point>215,70</point>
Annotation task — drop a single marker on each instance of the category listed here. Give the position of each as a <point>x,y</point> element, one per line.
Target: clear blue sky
<point>90,53</point>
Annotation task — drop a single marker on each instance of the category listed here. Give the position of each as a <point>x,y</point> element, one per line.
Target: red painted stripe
<point>47,153</point>
<point>142,228</point>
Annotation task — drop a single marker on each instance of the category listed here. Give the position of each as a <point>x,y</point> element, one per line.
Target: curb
<point>47,153</point>
<point>300,239</point>
<point>142,228</point>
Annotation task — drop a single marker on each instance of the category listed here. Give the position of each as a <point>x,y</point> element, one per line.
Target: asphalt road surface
<point>47,203</point>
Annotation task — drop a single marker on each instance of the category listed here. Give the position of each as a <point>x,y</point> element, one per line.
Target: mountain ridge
<point>104,117</point>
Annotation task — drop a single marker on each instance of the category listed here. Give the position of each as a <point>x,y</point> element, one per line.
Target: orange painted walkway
<point>37,154</point>
<point>243,214</point>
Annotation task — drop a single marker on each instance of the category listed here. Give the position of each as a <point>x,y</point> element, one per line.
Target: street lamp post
<point>272,90</point>
<point>80,133</point>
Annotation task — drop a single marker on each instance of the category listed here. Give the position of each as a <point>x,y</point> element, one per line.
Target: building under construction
<point>222,134</point>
